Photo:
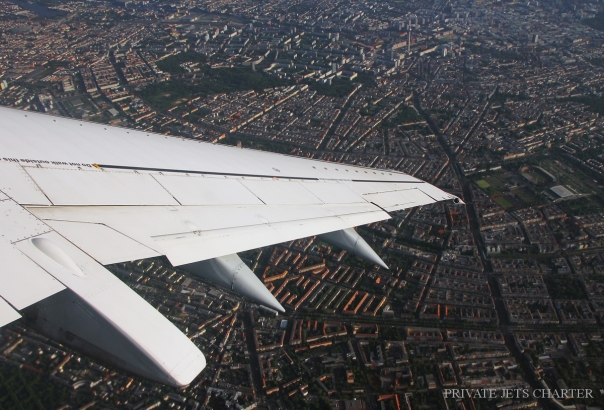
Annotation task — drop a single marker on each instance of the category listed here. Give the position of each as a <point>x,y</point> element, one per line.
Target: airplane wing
<point>76,196</point>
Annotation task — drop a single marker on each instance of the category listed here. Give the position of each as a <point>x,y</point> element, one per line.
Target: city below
<point>497,102</point>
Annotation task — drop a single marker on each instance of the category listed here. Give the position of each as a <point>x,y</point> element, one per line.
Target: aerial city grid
<point>497,102</point>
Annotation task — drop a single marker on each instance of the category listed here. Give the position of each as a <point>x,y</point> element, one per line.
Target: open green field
<point>495,182</point>
<point>503,202</point>
<point>494,186</point>
<point>483,184</point>
<point>526,196</point>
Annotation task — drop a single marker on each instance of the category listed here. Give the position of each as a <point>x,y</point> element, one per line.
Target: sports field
<point>535,177</point>
<point>504,202</point>
<point>483,184</point>
<point>495,182</point>
<point>526,196</point>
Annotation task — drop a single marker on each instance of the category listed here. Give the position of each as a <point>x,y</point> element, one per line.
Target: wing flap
<point>190,234</point>
<point>288,209</point>
<point>17,224</point>
<point>104,244</point>
<point>153,221</point>
<point>195,246</point>
<point>23,283</point>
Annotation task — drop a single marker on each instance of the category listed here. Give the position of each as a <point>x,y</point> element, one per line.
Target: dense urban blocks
<point>499,104</point>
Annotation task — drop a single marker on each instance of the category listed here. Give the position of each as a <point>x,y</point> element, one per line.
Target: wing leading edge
<point>77,196</point>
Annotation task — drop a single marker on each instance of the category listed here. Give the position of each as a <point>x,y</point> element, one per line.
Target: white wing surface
<point>76,196</point>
